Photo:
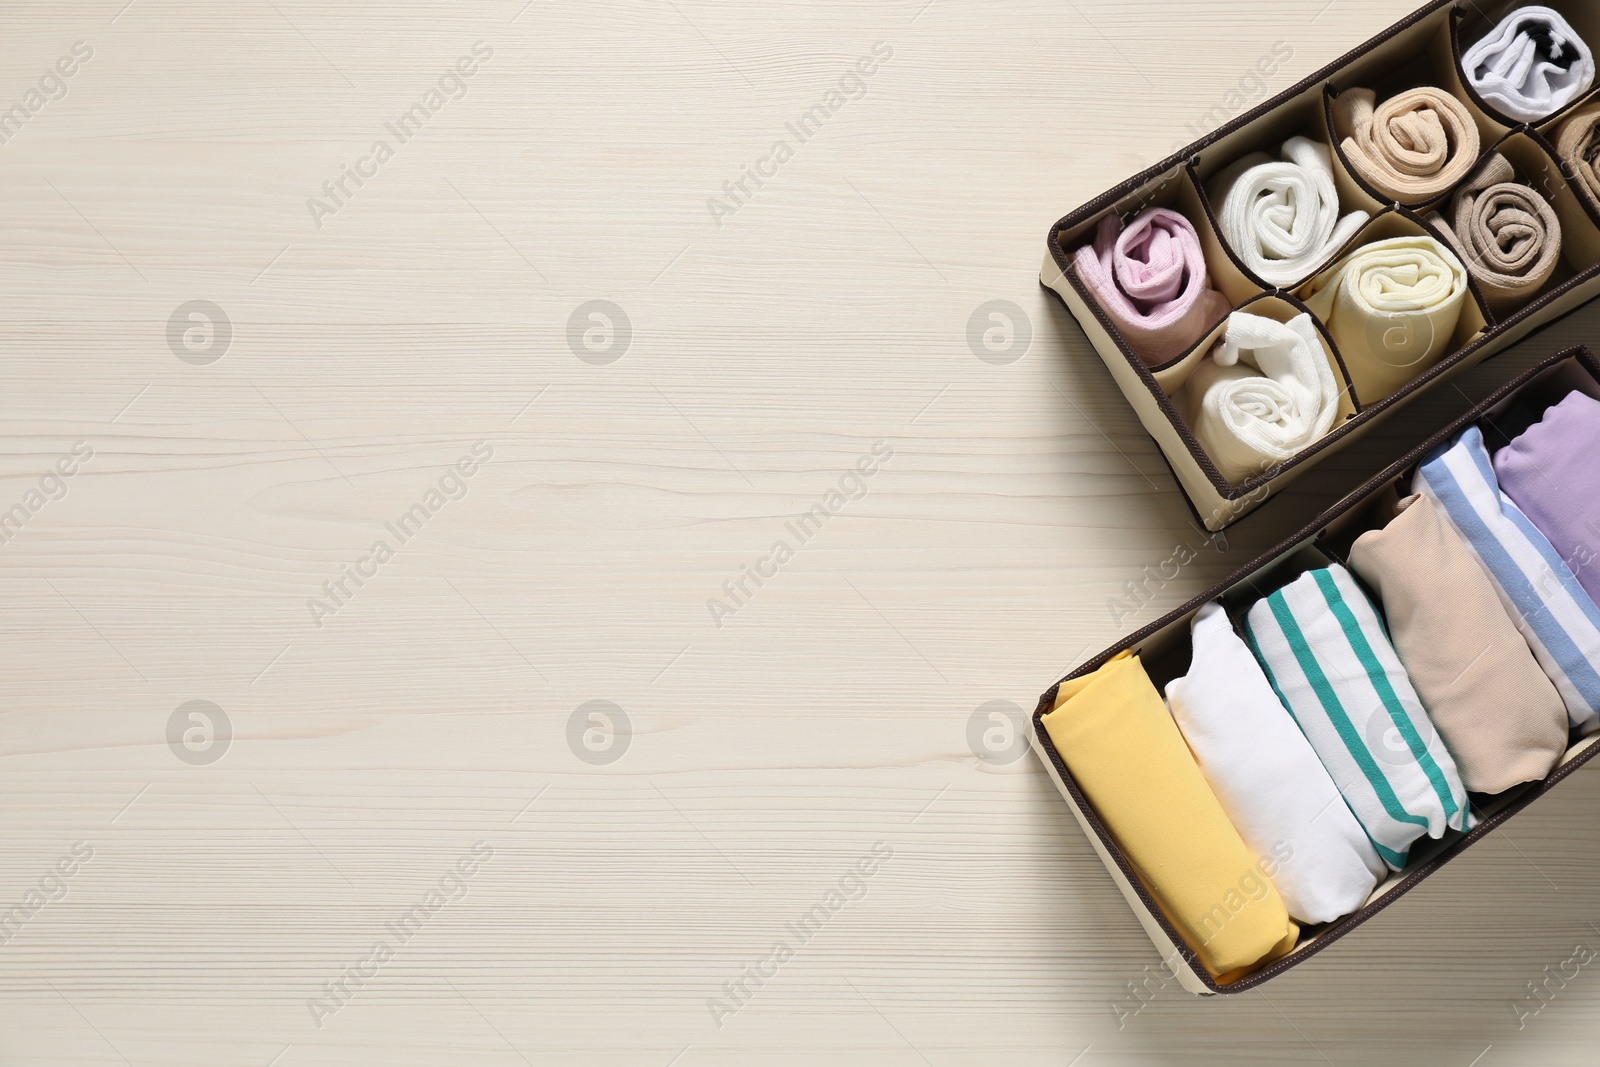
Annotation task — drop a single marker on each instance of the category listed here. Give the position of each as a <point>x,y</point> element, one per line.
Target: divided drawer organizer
<point>1164,649</point>
<point>1425,49</point>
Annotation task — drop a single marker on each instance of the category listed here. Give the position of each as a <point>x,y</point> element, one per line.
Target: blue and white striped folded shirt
<point>1540,592</point>
<point>1326,654</point>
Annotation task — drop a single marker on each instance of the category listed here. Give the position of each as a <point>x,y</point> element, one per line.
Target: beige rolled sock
<point>1578,145</point>
<point>1500,717</point>
<point>1411,148</point>
<point>1506,234</point>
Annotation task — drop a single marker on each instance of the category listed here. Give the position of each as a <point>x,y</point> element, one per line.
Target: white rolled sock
<point>1282,216</point>
<point>1531,65</point>
<point>1268,778</point>
<point>1264,393</point>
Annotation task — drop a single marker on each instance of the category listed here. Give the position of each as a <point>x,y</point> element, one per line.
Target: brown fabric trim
<point>1306,536</point>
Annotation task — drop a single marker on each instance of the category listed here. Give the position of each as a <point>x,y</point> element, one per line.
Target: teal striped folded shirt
<point>1327,656</point>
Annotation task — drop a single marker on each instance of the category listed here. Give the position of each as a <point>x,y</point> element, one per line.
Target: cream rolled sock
<point>1531,65</point>
<point>1281,217</point>
<point>1413,147</point>
<point>1264,394</point>
<point>1392,308</point>
<point>1505,232</point>
<point>1268,778</point>
<point>1500,717</point>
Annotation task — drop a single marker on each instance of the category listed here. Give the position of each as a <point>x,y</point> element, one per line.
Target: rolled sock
<point>1325,653</point>
<point>1414,147</point>
<point>1392,308</point>
<point>1127,756</point>
<point>1578,145</point>
<point>1552,472</point>
<point>1264,393</point>
<point>1505,232</point>
<point>1151,280</point>
<point>1531,65</point>
<point>1540,595</point>
<point>1281,217</point>
<point>1500,717</point>
<point>1268,779</point>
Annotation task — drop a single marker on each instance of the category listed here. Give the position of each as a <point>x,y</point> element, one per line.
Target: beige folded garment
<point>1505,232</point>
<point>1392,308</point>
<point>1578,145</point>
<point>1497,713</point>
<point>1412,148</point>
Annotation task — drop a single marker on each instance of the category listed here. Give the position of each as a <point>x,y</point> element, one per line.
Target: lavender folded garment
<point>1151,280</point>
<point>1552,472</point>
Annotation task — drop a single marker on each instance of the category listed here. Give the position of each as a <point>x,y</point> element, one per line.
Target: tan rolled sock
<point>1506,234</point>
<point>1500,717</point>
<point>1413,147</point>
<point>1578,145</point>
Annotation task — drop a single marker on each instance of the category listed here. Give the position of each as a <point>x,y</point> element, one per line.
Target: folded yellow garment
<point>1116,737</point>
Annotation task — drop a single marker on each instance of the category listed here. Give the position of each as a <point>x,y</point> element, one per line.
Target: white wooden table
<point>350,757</point>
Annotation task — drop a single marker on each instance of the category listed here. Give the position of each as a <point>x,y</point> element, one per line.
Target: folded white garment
<point>1531,65</point>
<point>1282,216</point>
<point>1327,656</point>
<point>1268,778</point>
<point>1263,394</point>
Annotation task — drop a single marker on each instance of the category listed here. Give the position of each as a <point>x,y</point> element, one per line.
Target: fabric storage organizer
<point>1425,49</point>
<point>1163,647</point>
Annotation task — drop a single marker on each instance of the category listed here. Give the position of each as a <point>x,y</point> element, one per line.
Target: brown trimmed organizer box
<point>1423,49</point>
<point>1163,646</point>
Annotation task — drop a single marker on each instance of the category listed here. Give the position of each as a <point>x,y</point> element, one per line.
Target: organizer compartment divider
<point>1421,49</point>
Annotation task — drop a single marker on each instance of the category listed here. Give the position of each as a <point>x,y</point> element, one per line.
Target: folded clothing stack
<point>1327,657</point>
<point>1132,764</point>
<point>1308,751</point>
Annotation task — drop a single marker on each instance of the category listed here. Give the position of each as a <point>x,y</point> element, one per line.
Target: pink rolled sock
<point>1151,280</point>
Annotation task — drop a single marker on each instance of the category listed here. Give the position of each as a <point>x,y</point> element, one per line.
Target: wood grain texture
<point>432,710</point>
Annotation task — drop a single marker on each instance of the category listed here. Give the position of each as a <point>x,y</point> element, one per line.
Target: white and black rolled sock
<point>1531,65</point>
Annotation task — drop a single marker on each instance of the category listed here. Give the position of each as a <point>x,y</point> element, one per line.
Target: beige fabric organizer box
<point>1425,49</point>
<point>1164,650</point>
